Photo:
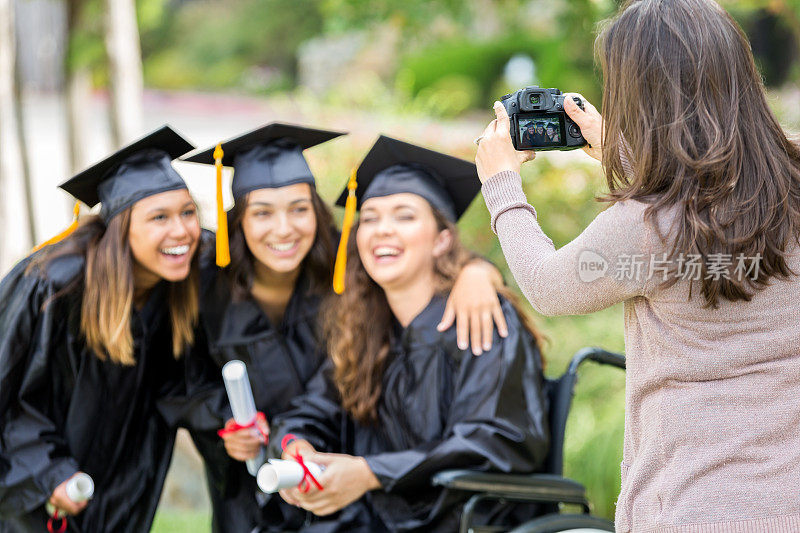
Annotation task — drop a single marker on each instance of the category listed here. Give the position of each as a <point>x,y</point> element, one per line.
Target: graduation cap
<point>448,183</point>
<point>268,157</point>
<point>136,171</point>
<point>265,158</point>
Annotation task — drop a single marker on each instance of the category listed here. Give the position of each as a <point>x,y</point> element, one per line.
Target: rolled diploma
<point>80,488</point>
<point>240,396</point>
<point>278,474</point>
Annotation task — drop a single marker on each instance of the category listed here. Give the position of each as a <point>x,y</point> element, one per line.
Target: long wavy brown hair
<point>684,104</point>
<point>357,323</point>
<point>317,265</point>
<point>108,289</point>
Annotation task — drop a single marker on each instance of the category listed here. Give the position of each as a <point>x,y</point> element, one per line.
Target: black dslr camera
<point>539,122</point>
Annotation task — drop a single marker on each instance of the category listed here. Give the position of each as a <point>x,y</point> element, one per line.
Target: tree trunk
<point>16,233</point>
<point>77,92</point>
<point>23,154</point>
<point>125,69</point>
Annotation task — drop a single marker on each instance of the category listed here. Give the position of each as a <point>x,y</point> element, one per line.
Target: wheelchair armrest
<point>598,355</point>
<point>525,487</point>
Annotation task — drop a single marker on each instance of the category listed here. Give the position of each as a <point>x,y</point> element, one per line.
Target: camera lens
<point>534,98</point>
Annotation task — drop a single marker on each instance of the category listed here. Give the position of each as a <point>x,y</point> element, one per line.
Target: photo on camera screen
<point>541,130</point>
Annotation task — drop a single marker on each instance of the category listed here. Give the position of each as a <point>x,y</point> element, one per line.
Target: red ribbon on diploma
<point>62,528</point>
<point>233,427</point>
<point>308,477</point>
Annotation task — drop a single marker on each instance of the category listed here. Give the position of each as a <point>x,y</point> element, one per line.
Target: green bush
<point>482,63</point>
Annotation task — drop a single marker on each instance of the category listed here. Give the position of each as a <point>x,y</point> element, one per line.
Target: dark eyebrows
<point>394,208</point>
<point>162,209</point>
<point>267,204</point>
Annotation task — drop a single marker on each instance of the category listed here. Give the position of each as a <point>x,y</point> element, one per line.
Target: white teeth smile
<point>176,250</point>
<point>283,247</point>
<point>383,251</point>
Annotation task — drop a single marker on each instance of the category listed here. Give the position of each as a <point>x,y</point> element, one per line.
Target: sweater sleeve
<point>609,262</point>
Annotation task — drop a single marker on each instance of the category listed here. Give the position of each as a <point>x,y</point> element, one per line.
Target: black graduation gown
<point>441,408</point>
<point>62,409</point>
<point>280,361</point>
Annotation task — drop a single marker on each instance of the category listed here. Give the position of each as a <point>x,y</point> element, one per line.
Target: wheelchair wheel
<point>565,523</point>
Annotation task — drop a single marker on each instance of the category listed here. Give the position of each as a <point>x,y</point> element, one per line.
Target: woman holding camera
<point>700,242</point>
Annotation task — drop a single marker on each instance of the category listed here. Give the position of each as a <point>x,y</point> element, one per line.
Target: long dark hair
<point>684,104</point>
<point>317,265</point>
<point>357,323</point>
<point>108,288</point>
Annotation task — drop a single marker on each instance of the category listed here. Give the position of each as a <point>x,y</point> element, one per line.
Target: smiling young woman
<point>90,334</point>
<point>161,233</point>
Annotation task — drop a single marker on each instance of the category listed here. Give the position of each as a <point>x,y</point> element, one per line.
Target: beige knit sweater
<point>712,408</point>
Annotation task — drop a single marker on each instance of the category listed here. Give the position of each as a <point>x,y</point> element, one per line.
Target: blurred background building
<point>79,78</point>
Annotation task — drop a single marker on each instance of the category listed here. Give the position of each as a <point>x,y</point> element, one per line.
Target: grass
<point>179,521</point>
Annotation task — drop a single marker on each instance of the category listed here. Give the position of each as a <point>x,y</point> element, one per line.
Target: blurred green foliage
<point>449,57</point>
<point>239,44</point>
<point>552,34</point>
<point>478,67</point>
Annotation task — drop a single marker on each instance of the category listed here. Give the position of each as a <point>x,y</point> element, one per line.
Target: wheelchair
<point>549,489</point>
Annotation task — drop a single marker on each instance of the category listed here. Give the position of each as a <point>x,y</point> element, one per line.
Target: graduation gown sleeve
<point>34,458</point>
<point>198,401</point>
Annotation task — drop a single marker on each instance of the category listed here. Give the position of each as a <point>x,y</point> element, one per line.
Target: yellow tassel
<point>76,211</point>
<point>347,224</point>
<point>223,251</point>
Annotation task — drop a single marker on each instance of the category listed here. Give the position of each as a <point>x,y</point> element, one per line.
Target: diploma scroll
<point>240,396</point>
<point>278,474</point>
<point>80,488</point>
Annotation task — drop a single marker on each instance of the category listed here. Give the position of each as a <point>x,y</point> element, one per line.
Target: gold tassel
<point>223,251</point>
<point>76,211</point>
<point>347,224</point>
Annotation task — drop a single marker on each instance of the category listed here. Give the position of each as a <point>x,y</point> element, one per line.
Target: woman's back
<point>712,401</point>
<point>706,187</point>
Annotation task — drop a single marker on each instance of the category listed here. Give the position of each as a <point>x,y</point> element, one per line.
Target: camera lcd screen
<point>545,129</point>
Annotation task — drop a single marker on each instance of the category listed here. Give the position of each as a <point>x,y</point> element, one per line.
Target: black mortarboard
<point>141,169</point>
<point>268,157</point>
<point>448,183</point>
